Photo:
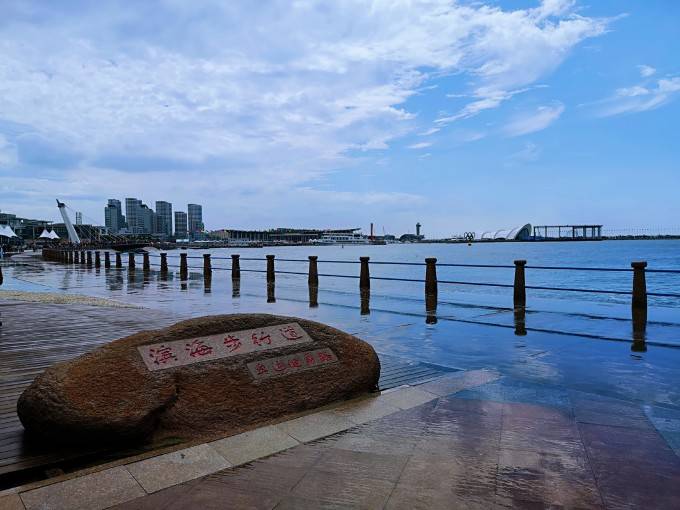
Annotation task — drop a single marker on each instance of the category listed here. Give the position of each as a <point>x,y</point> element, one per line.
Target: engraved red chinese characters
<point>262,338</point>
<point>290,333</point>
<point>198,348</point>
<point>232,343</point>
<point>161,355</point>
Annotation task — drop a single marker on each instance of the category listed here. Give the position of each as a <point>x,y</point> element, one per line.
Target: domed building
<point>522,233</point>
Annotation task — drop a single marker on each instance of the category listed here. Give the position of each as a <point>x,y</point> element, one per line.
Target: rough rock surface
<point>110,395</point>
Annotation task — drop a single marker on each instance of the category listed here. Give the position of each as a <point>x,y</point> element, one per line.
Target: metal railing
<point>638,292</point>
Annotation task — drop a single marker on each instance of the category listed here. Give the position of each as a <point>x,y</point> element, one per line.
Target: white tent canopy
<point>6,231</point>
<point>45,235</point>
<point>53,235</point>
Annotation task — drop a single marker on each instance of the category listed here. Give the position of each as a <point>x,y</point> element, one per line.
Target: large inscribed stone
<point>198,379</point>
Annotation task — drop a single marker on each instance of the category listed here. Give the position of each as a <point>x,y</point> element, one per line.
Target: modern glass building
<point>163,217</point>
<point>195,218</point>
<point>180,225</point>
<point>113,216</point>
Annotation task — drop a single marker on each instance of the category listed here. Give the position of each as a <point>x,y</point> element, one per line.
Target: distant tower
<point>418,225</point>
<point>79,218</point>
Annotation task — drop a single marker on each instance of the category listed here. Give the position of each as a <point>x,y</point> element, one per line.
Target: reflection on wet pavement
<point>484,447</point>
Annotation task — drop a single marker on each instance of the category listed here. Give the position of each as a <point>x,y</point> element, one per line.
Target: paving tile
<point>463,475</point>
<point>314,426</point>
<point>365,410</point>
<point>253,445</point>
<point>263,475</point>
<point>298,503</point>
<point>608,446</point>
<point>211,497</point>
<point>11,502</point>
<point>177,467</point>
<point>362,464</point>
<point>361,441</point>
<point>409,498</point>
<point>459,381</point>
<point>330,488</point>
<point>455,403</point>
<point>160,499</point>
<point>89,492</point>
<point>631,486</point>
<point>406,398</point>
<point>563,480</point>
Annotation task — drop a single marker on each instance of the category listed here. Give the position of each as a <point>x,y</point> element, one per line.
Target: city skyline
<point>464,116</point>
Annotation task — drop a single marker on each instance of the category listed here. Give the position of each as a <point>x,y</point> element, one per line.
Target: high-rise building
<point>180,225</point>
<point>79,218</point>
<point>113,216</point>
<point>163,217</point>
<point>140,217</point>
<point>195,218</point>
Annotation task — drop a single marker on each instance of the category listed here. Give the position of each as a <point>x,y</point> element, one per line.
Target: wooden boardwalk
<point>33,337</point>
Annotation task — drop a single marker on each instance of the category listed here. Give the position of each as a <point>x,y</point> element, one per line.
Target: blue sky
<point>461,115</point>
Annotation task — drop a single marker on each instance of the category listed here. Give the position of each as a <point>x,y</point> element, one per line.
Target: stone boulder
<point>198,379</point>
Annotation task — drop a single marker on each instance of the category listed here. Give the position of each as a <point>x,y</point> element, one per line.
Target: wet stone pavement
<point>482,448</point>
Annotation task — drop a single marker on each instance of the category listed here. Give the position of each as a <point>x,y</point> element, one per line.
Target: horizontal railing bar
<point>568,289</point>
<point>569,268</point>
<point>476,283</point>
<point>663,294</point>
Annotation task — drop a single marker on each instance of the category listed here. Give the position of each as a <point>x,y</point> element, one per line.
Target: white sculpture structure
<point>72,234</point>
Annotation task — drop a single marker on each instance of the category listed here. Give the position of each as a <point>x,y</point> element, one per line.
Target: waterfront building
<point>279,235</point>
<point>25,228</point>
<point>519,233</point>
<point>195,218</point>
<point>180,225</point>
<point>140,217</point>
<point>113,216</point>
<point>163,218</point>
<point>79,218</point>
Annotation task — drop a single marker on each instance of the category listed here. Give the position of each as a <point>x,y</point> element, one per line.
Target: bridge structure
<point>580,232</point>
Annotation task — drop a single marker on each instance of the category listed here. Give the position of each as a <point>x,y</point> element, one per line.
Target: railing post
<point>431,290</point>
<point>146,263</point>
<point>89,258</point>
<point>107,259</point>
<point>271,279</point>
<point>520,291</point>
<point>313,282</point>
<point>119,260</point>
<point>271,274</point>
<point>364,274</point>
<point>365,286</point>
<point>131,261</point>
<point>183,266</point>
<point>97,259</point>
<point>164,264</point>
<point>639,299</point>
<point>235,267</point>
<point>207,268</point>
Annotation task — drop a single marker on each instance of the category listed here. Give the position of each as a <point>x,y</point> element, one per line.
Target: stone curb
<point>127,479</point>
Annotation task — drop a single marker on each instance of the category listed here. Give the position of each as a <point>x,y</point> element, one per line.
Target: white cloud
<point>639,98</point>
<point>283,93</point>
<point>534,121</point>
<point>646,71</point>
<point>528,154</point>
<point>8,153</point>
<point>429,132</point>
<point>420,145</point>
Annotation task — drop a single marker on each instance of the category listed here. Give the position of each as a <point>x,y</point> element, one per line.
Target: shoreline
<point>61,299</point>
